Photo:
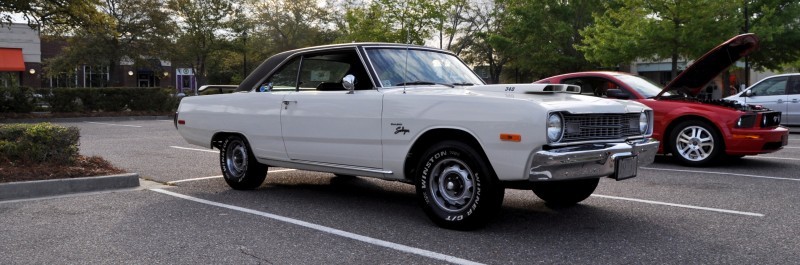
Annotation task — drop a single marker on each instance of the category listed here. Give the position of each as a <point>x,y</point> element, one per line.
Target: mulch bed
<point>83,167</point>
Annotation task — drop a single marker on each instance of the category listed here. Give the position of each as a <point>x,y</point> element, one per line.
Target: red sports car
<point>696,132</point>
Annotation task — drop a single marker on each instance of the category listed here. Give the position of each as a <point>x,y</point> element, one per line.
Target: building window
<point>95,76</point>
<point>63,79</point>
<point>9,79</point>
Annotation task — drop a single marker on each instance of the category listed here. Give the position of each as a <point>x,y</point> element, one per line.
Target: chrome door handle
<point>794,100</point>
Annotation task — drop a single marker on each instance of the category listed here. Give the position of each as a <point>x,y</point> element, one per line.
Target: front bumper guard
<point>588,160</point>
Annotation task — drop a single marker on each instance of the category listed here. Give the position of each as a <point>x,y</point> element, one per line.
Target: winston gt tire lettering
<point>456,187</point>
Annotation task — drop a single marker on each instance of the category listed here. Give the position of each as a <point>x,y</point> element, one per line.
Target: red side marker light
<point>181,122</point>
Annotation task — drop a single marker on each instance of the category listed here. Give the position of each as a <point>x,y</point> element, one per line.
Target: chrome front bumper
<point>588,160</point>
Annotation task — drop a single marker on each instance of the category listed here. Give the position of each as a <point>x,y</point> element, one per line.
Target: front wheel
<point>456,188</point>
<point>239,167</point>
<point>695,143</point>
<point>566,192</point>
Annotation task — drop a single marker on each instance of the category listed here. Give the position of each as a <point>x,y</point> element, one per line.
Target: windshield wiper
<point>418,83</point>
<point>463,84</point>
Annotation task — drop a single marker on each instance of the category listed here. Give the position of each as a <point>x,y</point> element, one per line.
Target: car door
<point>793,101</point>
<point>324,123</point>
<point>770,93</point>
<point>265,104</point>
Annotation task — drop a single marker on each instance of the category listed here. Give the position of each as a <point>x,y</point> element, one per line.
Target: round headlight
<point>555,127</point>
<point>643,122</point>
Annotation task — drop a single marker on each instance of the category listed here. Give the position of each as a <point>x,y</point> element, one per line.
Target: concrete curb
<point>53,187</point>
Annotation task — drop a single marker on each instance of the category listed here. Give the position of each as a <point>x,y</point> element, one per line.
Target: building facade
<point>24,55</point>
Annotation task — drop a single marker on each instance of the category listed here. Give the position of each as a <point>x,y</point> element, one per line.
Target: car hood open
<point>692,80</point>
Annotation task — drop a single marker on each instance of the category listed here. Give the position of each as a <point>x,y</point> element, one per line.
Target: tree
<point>542,35</point>
<point>132,34</point>
<point>398,21</point>
<point>291,24</point>
<point>777,24</point>
<point>455,23</point>
<point>203,24</point>
<point>657,29</point>
<point>482,45</point>
<point>51,16</point>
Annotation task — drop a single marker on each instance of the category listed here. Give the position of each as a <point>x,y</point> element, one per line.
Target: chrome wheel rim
<point>452,185</point>
<point>236,159</point>
<point>695,143</point>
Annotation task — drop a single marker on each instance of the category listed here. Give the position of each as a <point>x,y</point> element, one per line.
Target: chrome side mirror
<point>348,82</point>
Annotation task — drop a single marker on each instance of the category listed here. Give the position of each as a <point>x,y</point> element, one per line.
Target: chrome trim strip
<point>329,167</point>
<point>639,137</point>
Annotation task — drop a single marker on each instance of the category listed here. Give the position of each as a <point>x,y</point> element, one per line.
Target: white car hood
<point>558,97</point>
<point>552,97</point>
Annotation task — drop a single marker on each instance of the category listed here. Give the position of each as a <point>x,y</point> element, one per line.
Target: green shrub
<point>38,143</point>
<point>16,99</point>
<point>151,99</point>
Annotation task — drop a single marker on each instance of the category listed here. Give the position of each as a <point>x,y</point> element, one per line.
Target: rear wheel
<point>456,187</point>
<point>239,167</point>
<point>566,192</point>
<point>695,143</point>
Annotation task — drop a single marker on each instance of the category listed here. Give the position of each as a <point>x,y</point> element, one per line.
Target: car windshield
<point>410,67</point>
<point>643,86</point>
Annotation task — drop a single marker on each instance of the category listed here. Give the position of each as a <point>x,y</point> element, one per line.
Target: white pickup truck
<point>421,116</point>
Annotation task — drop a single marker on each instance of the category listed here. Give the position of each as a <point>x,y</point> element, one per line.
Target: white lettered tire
<point>456,187</point>
<point>239,167</point>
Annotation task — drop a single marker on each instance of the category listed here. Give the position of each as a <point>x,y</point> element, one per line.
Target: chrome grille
<point>587,127</point>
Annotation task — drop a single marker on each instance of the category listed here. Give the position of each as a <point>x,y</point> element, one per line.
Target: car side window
<point>323,71</point>
<point>323,75</point>
<point>284,79</point>
<point>794,85</point>
<point>771,87</point>
<point>592,86</point>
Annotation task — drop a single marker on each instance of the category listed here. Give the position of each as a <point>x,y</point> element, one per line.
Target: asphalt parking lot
<point>743,211</point>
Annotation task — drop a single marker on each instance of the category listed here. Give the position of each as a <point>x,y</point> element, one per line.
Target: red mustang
<point>696,132</point>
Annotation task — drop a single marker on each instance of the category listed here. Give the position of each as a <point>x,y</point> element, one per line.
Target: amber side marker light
<point>746,136</point>
<point>510,137</point>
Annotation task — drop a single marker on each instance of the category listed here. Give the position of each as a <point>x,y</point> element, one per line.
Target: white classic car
<point>421,116</point>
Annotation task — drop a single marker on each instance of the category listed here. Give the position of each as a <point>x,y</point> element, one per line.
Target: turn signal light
<point>746,136</point>
<point>511,137</point>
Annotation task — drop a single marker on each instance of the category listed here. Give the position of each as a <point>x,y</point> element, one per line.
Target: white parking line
<point>679,205</point>
<point>719,173</point>
<point>213,177</point>
<point>112,124</point>
<point>195,149</point>
<point>772,157</point>
<point>325,229</point>
<point>194,179</point>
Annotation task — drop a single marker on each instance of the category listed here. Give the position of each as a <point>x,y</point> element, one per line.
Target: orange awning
<point>11,60</point>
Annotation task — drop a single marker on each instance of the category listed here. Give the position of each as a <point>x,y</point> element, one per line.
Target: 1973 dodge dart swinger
<point>419,115</point>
